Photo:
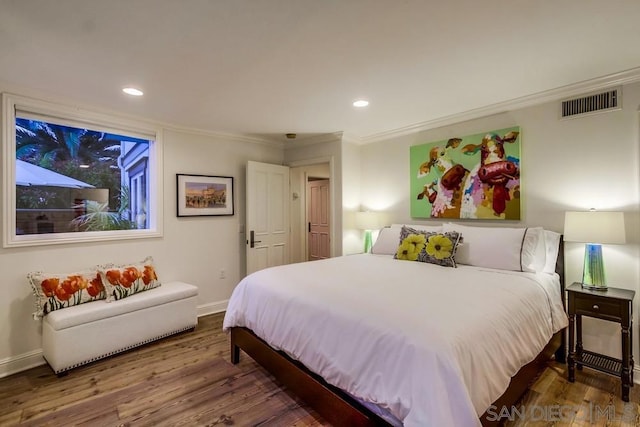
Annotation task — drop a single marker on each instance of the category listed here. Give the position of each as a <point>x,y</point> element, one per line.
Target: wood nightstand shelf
<point>614,305</point>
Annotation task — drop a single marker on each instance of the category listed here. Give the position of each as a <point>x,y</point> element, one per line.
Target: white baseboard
<point>213,307</point>
<point>22,362</point>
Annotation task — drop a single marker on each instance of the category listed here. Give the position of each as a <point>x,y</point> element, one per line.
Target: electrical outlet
<point>223,274</point>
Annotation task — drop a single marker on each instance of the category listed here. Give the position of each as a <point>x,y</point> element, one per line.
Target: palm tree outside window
<point>112,171</point>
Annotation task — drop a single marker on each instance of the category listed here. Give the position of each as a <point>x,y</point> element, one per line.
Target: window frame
<point>74,116</point>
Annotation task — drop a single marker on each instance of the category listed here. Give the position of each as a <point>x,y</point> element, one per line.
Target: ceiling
<point>257,67</point>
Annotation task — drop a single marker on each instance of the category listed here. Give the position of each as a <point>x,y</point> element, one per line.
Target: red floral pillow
<point>122,281</point>
<point>58,291</point>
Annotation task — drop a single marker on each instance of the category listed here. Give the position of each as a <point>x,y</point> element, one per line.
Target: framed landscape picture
<point>204,195</point>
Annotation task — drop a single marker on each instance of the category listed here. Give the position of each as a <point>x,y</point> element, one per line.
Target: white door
<point>318,219</point>
<point>267,225</point>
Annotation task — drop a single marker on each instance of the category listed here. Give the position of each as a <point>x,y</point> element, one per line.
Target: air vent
<point>603,101</point>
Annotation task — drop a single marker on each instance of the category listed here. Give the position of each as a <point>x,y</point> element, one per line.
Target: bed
<point>369,339</point>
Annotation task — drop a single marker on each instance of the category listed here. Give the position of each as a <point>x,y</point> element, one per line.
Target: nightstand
<point>614,305</point>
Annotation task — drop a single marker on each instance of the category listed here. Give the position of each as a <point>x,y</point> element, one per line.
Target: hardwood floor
<point>188,380</point>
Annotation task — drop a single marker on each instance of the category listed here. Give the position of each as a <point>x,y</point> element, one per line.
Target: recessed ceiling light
<point>360,103</point>
<point>132,91</point>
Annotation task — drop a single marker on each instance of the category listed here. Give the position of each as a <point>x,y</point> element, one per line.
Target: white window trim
<point>11,103</point>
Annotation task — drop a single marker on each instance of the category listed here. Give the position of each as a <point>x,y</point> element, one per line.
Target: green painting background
<point>418,154</point>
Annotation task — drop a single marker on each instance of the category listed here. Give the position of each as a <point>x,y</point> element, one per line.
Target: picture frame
<point>204,195</point>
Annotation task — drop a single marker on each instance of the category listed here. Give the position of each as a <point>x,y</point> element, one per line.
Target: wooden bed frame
<point>340,409</point>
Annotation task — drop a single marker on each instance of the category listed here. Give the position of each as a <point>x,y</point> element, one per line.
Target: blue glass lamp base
<point>593,273</point>
<point>367,241</point>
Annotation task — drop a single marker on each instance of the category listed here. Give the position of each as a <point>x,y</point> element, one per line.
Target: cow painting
<point>476,176</point>
<point>444,192</point>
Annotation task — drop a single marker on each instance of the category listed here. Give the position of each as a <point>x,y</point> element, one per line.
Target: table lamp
<point>367,221</point>
<point>594,228</point>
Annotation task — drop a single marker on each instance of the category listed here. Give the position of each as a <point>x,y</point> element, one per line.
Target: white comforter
<point>434,346</point>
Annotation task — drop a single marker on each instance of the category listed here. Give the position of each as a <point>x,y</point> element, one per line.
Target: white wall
<point>193,249</point>
<point>197,248</point>
<point>351,163</point>
<point>571,164</point>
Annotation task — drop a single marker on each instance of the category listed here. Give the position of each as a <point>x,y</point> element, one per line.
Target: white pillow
<point>491,247</point>
<point>430,228</point>
<point>552,245</point>
<point>534,250</point>
<point>387,241</point>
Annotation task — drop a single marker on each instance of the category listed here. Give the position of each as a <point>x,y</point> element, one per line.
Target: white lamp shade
<point>367,220</point>
<point>594,227</point>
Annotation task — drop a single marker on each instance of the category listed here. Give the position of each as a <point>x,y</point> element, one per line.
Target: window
<point>73,175</point>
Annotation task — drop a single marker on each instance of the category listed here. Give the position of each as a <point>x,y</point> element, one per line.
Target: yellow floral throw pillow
<point>431,247</point>
<point>125,280</point>
<point>58,291</point>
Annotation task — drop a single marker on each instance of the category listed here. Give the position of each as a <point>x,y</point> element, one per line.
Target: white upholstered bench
<point>87,332</point>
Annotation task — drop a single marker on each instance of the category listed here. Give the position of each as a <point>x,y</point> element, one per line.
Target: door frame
<point>302,216</point>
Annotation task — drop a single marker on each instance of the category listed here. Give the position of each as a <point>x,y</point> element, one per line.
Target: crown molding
<point>623,77</point>
<point>351,138</point>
